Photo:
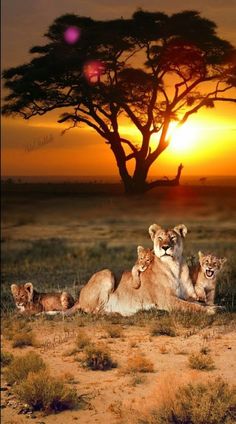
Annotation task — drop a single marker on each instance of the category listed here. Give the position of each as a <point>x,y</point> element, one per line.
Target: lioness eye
<point>160,238</point>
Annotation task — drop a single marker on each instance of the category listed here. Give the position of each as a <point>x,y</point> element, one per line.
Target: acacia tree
<point>152,68</point>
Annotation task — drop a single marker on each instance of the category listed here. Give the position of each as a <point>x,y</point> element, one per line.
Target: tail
<point>72,310</point>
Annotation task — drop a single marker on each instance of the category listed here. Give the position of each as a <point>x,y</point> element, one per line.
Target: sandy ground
<point>113,396</point>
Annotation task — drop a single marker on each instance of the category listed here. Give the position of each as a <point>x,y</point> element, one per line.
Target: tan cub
<point>28,300</point>
<point>145,257</point>
<point>204,276</point>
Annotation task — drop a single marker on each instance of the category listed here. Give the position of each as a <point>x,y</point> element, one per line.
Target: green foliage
<point>21,366</point>
<point>98,358</point>
<point>201,361</point>
<point>211,402</point>
<point>45,393</point>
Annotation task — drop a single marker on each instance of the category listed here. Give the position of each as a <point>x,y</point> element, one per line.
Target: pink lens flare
<point>93,70</point>
<point>72,34</point>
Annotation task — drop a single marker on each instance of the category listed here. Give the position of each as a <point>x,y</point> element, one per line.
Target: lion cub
<point>204,276</point>
<point>145,257</point>
<point>28,300</point>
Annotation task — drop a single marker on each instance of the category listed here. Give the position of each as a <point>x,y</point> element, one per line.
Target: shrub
<point>138,363</point>
<point>164,327</point>
<point>114,331</point>
<point>98,358</point>
<point>6,358</point>
<point>212,402</point>
<point>45,393</point>
<point>23,339</point>
<point>20,367</point>
<point>201,361</point>
<point>82,341</point>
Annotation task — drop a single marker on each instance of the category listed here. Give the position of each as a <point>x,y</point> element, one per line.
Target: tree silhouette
<point>152,68</point>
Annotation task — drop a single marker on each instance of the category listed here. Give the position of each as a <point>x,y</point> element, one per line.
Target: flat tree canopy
<point>152,68</point>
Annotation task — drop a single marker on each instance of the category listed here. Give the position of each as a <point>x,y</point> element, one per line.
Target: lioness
<point>164,284</point>
<point>28,300</point>
<point>145,257</point>
<point>204,276</point>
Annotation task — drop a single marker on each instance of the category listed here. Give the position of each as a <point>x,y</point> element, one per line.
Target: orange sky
<point>206,146</point>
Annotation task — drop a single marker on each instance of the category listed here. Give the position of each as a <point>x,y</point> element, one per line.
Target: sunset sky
<point>206,145</point>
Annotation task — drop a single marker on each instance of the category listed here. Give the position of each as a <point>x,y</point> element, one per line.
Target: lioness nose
<point>165,247</point>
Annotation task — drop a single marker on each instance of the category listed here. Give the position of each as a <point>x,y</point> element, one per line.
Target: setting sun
<point>183,138</point>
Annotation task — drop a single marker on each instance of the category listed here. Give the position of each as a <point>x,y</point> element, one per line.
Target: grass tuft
<point>98,358</point>
<point>23,340</point>
<point>20,367</point>
<point>113,331</point>
<point>138,363</point>
<point>6,358</point>
<point>45,393</point>
<point>165,326</point>
<point>82,341</point>
<point>201,361</point>
<point>212,402</point>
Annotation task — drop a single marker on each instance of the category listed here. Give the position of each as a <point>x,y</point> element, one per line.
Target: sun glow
<point>183,138</point>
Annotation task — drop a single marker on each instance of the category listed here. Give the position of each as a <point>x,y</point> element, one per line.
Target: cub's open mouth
<point>209,273</point>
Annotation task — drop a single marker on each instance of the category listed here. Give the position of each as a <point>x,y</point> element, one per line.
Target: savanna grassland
<point>114,369</point>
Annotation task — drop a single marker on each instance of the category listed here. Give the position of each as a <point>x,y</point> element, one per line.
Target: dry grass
<point>82,341</point>
<point>20,367</point>
<point>212,402</point>
<point>201,361</point>
<point>163,349</point>
<point>165,326</point>
<point>138,363</point>
<point>6,358</point>
<point>113,331</point>
<point>99,358</point>
<point>23,339</point>
<point>45,393</point>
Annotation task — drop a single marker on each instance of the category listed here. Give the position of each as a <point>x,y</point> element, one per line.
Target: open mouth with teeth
<point>209,273</point>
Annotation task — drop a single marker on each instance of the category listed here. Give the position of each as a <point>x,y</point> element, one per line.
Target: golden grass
<point>45,393</point>
<point>201,361</point>
<point>23,339</point>
<point>20,367</point>
<point>211,402</point>
<point>99,358</point>
<point>138,363</point>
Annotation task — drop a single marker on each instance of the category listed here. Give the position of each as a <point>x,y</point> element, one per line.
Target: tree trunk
<point>138,184</point>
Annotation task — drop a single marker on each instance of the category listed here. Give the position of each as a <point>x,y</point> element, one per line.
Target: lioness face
<point>22,295</point>
<point>210,265</point>
<point>168,244</point>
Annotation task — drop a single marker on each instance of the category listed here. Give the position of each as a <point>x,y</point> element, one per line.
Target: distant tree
<point>152,68</point>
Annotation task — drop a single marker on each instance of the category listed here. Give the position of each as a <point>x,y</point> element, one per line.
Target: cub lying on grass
<point>145,257</point>
<point>204,276</point>
<point>28,300</point>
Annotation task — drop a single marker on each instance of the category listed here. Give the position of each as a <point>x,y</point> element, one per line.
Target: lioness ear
<point>140,249</point>
<point>153,229</point>
<point>14,288</point>
<point>30,289</point>
<point>222,261</point>
<point>200,255</point>
<point>181,230</point>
